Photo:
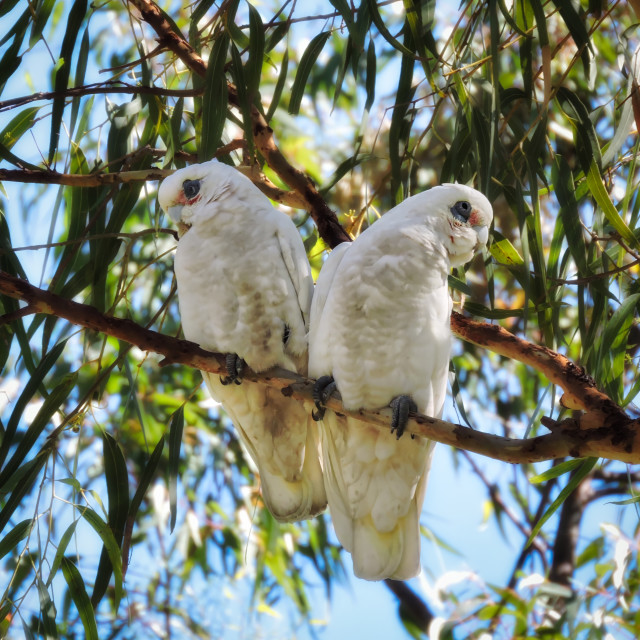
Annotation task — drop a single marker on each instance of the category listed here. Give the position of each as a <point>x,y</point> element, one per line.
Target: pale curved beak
<point>483,235</point>
<point>175,212</point>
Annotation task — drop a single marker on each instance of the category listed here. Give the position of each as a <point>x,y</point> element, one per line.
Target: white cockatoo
<point>380,334</point>
<point>245,289</point>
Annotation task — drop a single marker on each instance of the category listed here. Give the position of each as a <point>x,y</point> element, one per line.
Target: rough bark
<point>620,441</point>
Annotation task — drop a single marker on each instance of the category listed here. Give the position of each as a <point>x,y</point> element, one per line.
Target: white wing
<point>380,327</point>
<point>245,287</point>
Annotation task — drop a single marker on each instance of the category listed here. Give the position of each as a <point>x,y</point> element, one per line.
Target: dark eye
<point>461,210</point>
<point>191,188</point>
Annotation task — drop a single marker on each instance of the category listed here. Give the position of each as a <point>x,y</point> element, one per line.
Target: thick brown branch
<point>566,542</point>
<point>621,442</point>
<point>326,220</point>
<point>580,391</point>
<point>81,180</point>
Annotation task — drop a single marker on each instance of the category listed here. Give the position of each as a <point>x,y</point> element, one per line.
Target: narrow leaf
<point>175,442</point>
<point>580,473</point>
<point>214,100</point>
<point>307,62</point>
<point>556,471</point>
<point>42,419</point>
<point>596,186</point>
<point>74,21</point>
<point>78,594</point>
<point>48,612</point>
<point>13,537</point>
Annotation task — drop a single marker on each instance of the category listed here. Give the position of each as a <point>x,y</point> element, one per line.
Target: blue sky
<point>455,501</point>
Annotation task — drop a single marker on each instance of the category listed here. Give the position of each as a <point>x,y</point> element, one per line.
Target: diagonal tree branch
<point>326,220</point>
<point>620,441</point>
<point>579,388</point>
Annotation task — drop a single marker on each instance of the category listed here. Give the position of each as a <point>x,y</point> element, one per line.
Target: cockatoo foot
<point>235,369</point>
<point>322,389</point>
<point>401,406</point>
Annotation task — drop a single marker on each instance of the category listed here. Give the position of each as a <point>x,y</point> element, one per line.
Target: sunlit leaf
<point>307,62</point>
<point>78,593</point>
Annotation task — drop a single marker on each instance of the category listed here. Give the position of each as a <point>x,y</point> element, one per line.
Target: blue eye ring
<point>461,210</point>
<point>191,188</point>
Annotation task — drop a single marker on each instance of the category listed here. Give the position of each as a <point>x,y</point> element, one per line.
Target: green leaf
<point>48,611</point>
<point>578,31</point>
<point>81,69</point>
<point>11,539</point>
<point>569,214</point>
<point>459,285</point>
<point>74,22</point>
<point>52,403</point>
<point>277,92</point>
<point>596,186</point>
<point>587,146</point>
<point>19,125</point>
<point>253,70</point>
<point>32,471</point>
<point>78,594</point>
<point>372,72</point>
<point>633,500</point>
<point>123,120</point>
<point>307,62</point>
<point>35,381</point>
<point>61,550</point>
<point>480,311</point>
<point>617,327</point>
<point>384,32</point>
<point>237,71</point>
<point>117,480</point>
<point>40,20</point>
<point>585,467</point>
<point>556,471</point>
<point>399,129</point>
<point>343,168</point>
<point>214,100</point>
<point>148,474</point>
<point>175,442</point>
<point>10,61</point>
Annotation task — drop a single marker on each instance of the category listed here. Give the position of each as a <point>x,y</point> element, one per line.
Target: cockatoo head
<point>187,195</point>
<point>461,215</point>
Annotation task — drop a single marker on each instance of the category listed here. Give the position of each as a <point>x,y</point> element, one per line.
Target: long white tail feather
<point>375,500</point>
<point>281,438</point>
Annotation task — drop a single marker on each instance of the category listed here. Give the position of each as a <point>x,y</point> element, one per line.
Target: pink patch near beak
<point>474,218</point>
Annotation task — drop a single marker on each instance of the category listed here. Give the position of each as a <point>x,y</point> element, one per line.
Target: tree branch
<point>566,542</point>
<point>411,605</point>
<point>579,388</point>
<point>287,198</point>
<point>619,442</point>
<point>326,220</point>
<point>99,87</point>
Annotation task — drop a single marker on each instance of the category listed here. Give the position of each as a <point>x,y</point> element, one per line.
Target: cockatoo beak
<point>483,235</point>
<point>175,212</point>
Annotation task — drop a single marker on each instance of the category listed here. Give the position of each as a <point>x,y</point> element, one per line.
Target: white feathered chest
<point>235,293</point>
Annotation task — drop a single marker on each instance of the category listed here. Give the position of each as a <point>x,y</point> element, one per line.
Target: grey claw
<point>235,369</point>
<point>322,389</point>
<point>402,406</point>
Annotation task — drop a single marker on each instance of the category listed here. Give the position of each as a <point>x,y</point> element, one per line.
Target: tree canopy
<point>111,454</point>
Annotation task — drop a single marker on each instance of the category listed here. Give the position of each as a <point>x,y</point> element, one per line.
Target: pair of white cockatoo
<point>376,329</point>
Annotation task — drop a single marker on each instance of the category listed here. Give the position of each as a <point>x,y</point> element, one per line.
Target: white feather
<point>244,282</point>
<point>380,327</point>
